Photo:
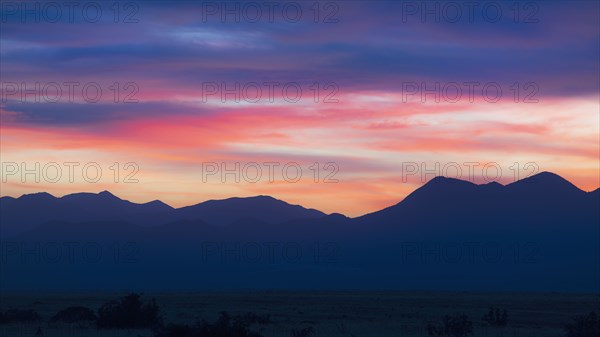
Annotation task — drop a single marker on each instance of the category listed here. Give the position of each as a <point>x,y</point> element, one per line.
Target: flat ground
<point>331,314</point>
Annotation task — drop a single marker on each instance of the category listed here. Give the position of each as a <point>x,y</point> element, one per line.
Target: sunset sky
<point>370,117</point>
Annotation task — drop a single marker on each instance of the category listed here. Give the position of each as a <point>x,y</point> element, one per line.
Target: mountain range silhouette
<point>32,210</point>
<point>540,233</point>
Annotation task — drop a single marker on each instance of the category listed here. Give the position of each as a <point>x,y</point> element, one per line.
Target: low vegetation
<point>451,326</point>
<point>132,312</point>
<point>74,315</point>
<point>225,326</point>
<point>496,317</point>
<point>584,326</point>
<point>129,312</point>
<point>13,316</point>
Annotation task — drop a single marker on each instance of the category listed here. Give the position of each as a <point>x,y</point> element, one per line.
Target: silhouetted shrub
<point>225,326</point>
<point>304,332</point>
<point>129,312</point>
<point>19,316</point>
<point>74,315</point>
<point>495,317</point>
<point>584,326</point>
<point>453,326</point>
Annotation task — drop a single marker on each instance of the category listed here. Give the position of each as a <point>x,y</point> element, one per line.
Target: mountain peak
<point>260,197</point>
<point>158,205</point>
<point>107,194</point>
<point>546,181</point>
<point>548,176</point>
<point>39,196</point>
<point>104,195</point>
<point>441,182</point>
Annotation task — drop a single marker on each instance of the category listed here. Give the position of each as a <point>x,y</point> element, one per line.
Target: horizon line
<point>308,208</point>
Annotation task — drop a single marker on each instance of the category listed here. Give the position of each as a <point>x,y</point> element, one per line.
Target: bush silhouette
<point>495,317</point>
<point>129,312</point>
<point>225,326</point>
<point>74,315</point>
<point>453,326</point>
<point>584,326</point>
<point>19,316</point>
